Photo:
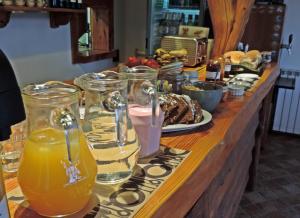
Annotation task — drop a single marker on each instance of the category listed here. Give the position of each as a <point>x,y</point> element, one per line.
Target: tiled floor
<point>277,194</point>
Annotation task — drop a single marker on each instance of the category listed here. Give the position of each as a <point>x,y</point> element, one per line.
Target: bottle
<point>4,212</point>
<point>54,3</point>
<point>221,60</point>
<point>173,24</point>
<point>63,3</point>
<point>79,4</point>
<point>73,4</point>
<point>182,19</point>
<point>162,25</point>
<point>196,20</point>
<point>227,67</point>
<point>190,20</point>
<point>168,23</point>
<point>213,70</point>
<point>187,3</point>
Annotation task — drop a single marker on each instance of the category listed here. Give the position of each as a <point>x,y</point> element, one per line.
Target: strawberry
<point>133,61</point>
<point>152,63</point>
<point>144,61</point>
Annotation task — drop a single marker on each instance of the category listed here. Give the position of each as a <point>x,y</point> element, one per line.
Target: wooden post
<point>229,19</point>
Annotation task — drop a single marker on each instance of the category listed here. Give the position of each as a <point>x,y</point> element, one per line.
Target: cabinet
<point>102,24</point>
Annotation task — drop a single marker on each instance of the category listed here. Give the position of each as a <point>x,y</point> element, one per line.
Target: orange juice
<point>45,174</point>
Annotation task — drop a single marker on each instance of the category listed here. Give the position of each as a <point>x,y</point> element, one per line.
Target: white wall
<point>291,25</point>
<point>134,23</point>
<point>38,52</point>
<point>287,116</point>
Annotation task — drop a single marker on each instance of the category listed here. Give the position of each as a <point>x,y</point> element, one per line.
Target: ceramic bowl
<point>209,95</point>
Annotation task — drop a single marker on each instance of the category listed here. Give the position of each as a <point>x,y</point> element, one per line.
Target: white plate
<point>180,127</point>
<point>247,75</point>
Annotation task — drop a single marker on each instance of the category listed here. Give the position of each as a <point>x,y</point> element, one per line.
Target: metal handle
<point>116,103</point>
<point>289,45</point>
<point>62,118</point>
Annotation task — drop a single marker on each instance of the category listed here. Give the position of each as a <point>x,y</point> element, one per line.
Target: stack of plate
<point>245,80</point>
<point>174,68</point>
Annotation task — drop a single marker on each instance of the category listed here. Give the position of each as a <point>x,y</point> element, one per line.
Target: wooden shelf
<point>58,16</point>
<point>89,56</point>
<point>39,9</point>
<point>184,7</point>
<point>102,28</point>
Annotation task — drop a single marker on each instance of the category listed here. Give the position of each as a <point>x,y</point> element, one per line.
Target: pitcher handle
<point>121,124</point>
<point>116,103</point>
<point>154,107</point>
<point>63,118</point>
<point>150,90</point>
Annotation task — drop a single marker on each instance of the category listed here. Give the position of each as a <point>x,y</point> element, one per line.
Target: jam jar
<point>213,70</point>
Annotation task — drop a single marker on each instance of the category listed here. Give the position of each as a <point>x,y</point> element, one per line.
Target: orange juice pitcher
<point>57,171</point>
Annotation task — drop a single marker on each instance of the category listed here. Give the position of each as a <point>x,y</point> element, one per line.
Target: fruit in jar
<point>135,61</point>
<point>152,63</point>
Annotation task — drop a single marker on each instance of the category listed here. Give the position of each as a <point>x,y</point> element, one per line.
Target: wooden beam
<point>229,19</point>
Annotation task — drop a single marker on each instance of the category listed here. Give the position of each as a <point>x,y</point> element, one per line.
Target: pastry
<point>235,56</point>
<point>180,109</point>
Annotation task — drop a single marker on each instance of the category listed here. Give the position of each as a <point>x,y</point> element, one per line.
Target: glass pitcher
<point>144,110</point>
<point>57,171</point>
<point>108,130</point>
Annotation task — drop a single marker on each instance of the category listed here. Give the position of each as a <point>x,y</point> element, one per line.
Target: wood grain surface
<point>182,190</point>
<point>229,19</point>
<point>211,146</point>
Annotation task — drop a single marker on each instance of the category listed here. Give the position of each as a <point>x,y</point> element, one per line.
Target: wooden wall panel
<point>222,197</point>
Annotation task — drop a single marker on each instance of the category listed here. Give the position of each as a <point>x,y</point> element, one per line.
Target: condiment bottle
<point>213,70</point>
<point>227,67</point>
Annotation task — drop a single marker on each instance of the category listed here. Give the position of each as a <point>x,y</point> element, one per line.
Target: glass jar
<point>109,132</point>
<point>57,171</point>
<point>11,150</point>
<point>144,109</point>
<point>227,67</point>
<point>213,70</point>
<point>174,82</point>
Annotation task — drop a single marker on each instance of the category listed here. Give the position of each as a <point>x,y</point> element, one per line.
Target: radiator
<point>287,111</point>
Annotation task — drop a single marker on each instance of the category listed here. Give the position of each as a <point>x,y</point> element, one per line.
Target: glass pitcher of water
<point>57,170</point>
<point>144,109</point>
<point>110,134</point>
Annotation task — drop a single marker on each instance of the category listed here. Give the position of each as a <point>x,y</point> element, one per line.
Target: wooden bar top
<point>210,147</point>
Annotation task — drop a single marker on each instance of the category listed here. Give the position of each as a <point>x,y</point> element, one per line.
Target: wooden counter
<point>224,157</point>
<point>211,181</point>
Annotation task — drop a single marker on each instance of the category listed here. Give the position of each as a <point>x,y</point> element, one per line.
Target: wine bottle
<point>4,212</point>
<point>63,3</point>
<point>73,4</point>
<point>79,4</point>
<point>54,3</point>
